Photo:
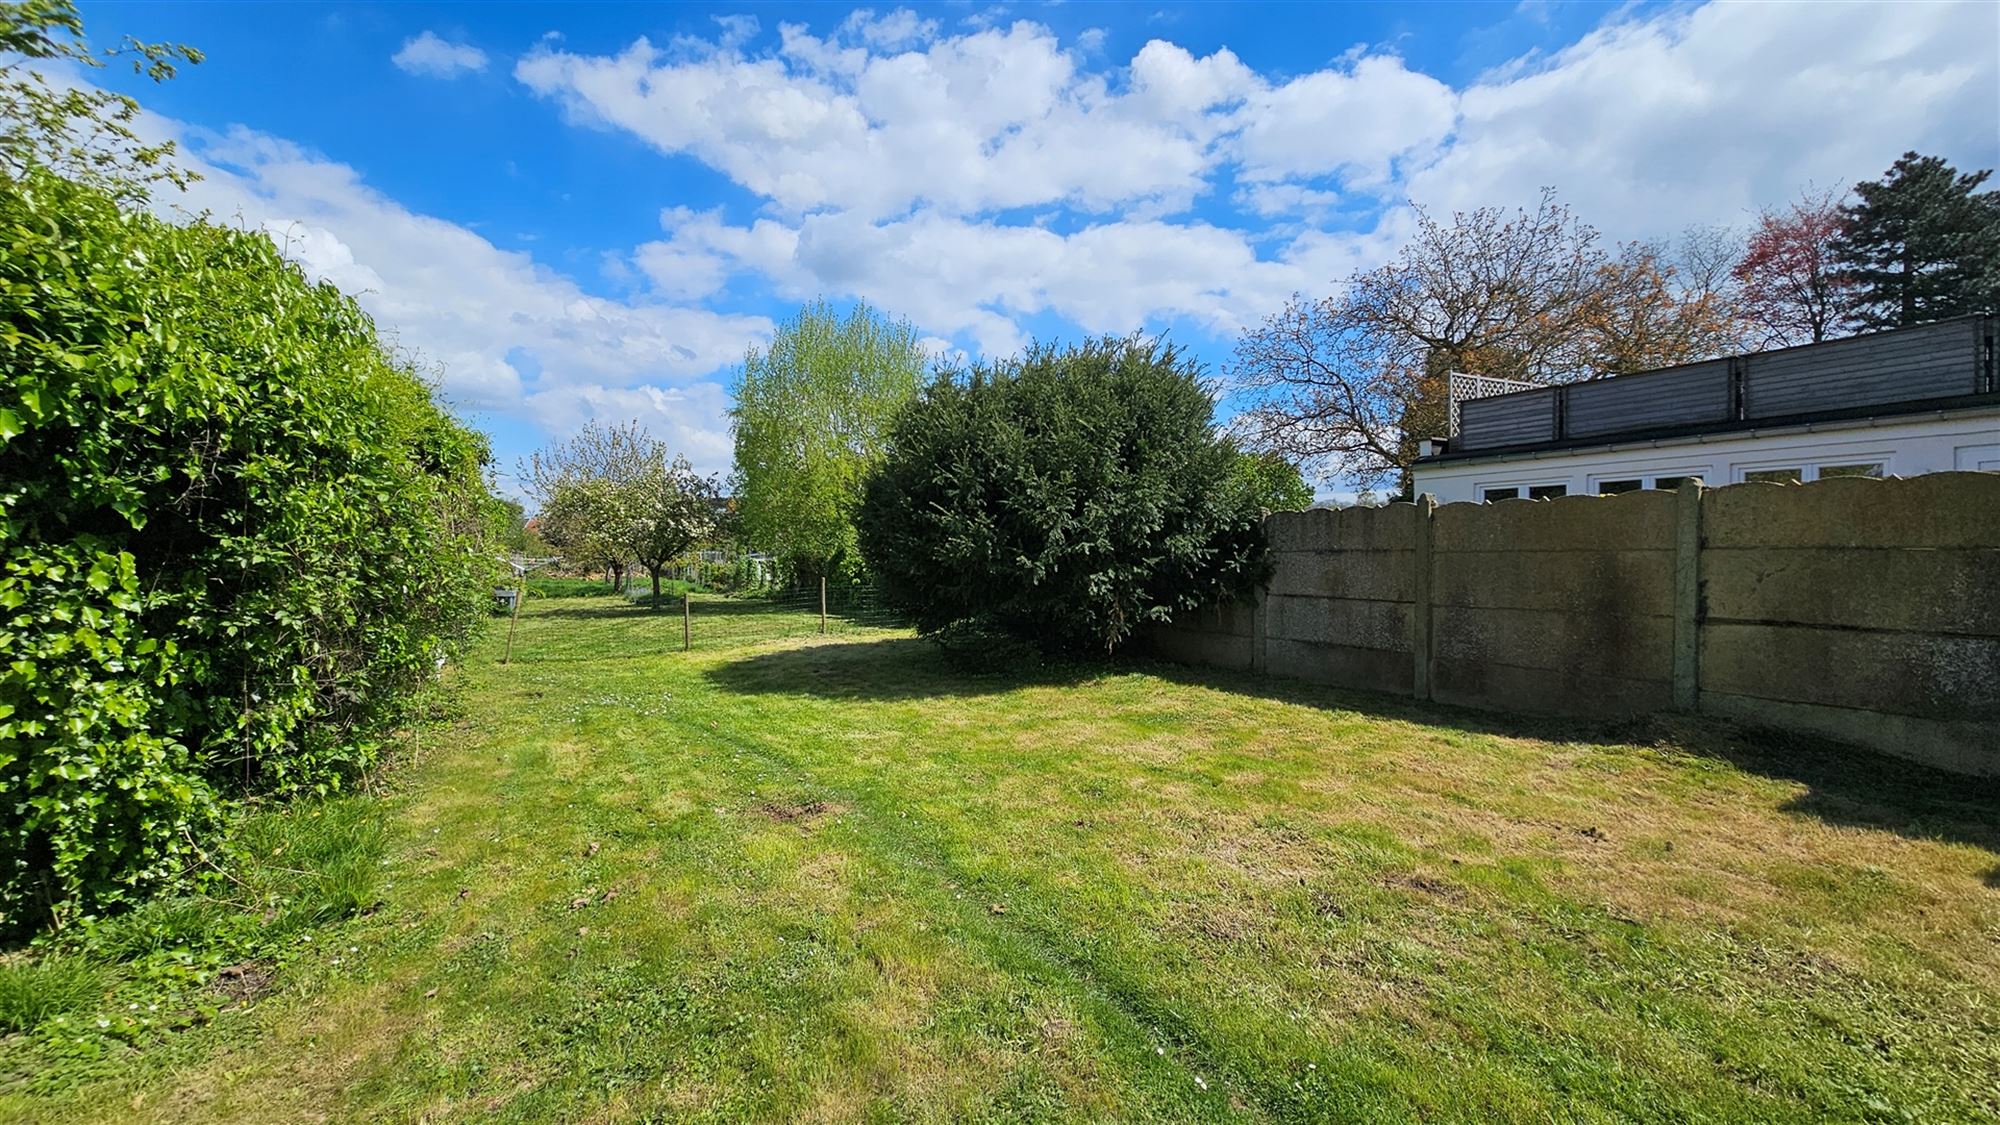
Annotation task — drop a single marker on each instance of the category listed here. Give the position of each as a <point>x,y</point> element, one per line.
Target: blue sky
<point>591,211</point>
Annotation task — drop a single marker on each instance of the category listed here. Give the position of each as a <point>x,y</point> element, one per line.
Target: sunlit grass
<point>785,876</point>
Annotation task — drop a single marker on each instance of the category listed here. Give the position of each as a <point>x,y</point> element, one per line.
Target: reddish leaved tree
<point>1792,287</point>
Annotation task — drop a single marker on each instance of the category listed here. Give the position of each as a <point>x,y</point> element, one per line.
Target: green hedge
<point>237,538</point>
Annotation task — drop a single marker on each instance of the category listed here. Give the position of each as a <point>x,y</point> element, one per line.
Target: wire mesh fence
<point>684,618</point>
<point>717,620</point>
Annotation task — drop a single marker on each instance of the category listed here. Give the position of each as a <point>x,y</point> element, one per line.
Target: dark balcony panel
<point>1907,365</point>
<point>1676,396</point>
<point>1522,418</point>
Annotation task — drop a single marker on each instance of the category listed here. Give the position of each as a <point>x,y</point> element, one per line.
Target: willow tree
<point>811,415</point>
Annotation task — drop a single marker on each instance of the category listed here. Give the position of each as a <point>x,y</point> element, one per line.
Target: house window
<point>1547,491</point>
<point>1870,469</point>
<point>1668,484</point>
<point>1491,495</point>
<point>1775,476</point>
<point>1618,487</point>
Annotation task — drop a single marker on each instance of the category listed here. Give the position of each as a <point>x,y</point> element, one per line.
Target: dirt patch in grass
<point>805,814</point>
<point>1425,885</point>
<point>244,983</point>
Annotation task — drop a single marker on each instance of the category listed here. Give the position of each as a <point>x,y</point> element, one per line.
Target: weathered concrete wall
<point>1863,609</point>
<point>1563,605</point>
<point>1868,610</point>
<point>1337,610</point>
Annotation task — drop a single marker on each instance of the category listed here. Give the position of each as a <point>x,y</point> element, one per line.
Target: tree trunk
<point>655,572</point>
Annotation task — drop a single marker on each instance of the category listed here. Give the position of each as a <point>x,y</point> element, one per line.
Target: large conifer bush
<point>1066,499</point>
<point>235,540</point>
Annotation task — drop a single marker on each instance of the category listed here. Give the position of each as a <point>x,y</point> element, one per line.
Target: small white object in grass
<point>1159,1050</point>
<point>1201,1082</point>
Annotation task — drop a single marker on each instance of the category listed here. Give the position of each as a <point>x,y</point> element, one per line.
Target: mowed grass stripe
<point>787,878</point>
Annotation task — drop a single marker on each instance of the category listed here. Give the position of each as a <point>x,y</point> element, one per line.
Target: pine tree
<point>1921,244</point>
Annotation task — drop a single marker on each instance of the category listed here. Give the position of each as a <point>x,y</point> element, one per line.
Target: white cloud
<point>1356,122</point>
<point>502,332</point>
<point>979,280</point>
<point>900,28</point>
<point>432,57</point>
<point>883,116</point>
<point>899,174</point>
<point>1705,115</point>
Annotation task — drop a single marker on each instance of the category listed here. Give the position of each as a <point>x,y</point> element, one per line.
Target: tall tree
<point>1793,289</point>
<point>811,415</point>
<point>1921,244</point>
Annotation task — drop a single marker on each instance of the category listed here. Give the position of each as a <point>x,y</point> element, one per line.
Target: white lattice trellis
<point>1461,387</point>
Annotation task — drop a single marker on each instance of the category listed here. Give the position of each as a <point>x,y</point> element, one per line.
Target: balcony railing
<point>1902,368</point>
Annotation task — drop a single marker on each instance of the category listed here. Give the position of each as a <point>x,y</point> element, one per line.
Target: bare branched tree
<point>1349,383</point>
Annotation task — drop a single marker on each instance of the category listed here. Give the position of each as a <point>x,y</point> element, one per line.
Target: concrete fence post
<point>1260,628</point>
<point>1420,607</point>
<point>1687,597</point>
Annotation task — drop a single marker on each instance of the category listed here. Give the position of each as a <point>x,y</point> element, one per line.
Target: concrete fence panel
<point>1868,610</point>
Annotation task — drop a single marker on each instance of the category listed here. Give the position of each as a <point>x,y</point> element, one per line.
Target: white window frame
<point>1809,467</point>
<point>1702,474</point>
<point>1648,478</point>
<point>1521,488</point>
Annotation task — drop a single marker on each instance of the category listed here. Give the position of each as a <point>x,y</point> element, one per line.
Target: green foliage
<point>34,990</point>
<point>277,877</point>
<point>1066,499</point>
<point>237,541</point>
<point>83,134</point>
<point>1275,483</point>
<point>810,419</point>
<point>507,527</point>
<point>1921,244</point>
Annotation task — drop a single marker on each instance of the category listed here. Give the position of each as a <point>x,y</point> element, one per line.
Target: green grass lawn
<point>787,877</point>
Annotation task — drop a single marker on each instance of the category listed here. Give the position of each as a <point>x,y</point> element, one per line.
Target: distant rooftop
<point>1917,370</point>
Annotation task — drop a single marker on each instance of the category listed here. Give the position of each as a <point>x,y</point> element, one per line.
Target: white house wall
<point>1967,441</point>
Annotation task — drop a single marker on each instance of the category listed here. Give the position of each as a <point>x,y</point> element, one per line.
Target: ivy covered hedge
<point>236,537</point>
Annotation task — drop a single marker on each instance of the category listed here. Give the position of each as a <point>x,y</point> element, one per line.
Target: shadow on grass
<point>1845,785</point>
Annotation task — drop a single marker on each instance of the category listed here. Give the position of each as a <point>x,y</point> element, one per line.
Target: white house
<point>1898,403</point>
